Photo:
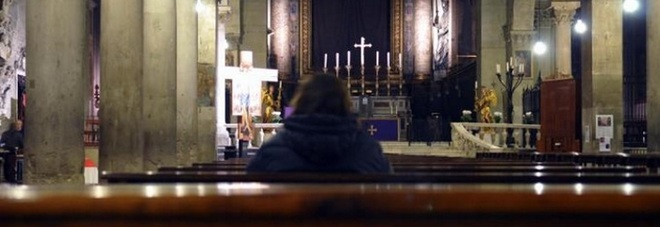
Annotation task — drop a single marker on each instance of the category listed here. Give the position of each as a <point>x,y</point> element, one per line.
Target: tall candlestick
<point>377,58</point>
<point>497,67</point>
<point>336,59</point>
<point>325,60</point>
<point>400,65</point>
<point>388,59</point>
<point>349,58</point>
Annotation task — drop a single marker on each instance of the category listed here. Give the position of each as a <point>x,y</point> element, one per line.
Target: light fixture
<point>199,7</point>
<point>630,6</point>
<point>540,48</point>
<point>580,26</point>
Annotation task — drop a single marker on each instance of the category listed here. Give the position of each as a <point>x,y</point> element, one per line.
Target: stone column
<point>602,69</point>
<point>564,12</point>
<point>206,62</point>
<point>423,41</point>
<point>491,43</point>
<point>120,114</point>
<point>222,137</point>
<point>57,67</point>
<point>159,83</point>
<point>653,76</point>
<point>186,82</point>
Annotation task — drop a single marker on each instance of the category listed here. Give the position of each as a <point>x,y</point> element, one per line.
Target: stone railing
<point>261,135</point>
<point>470,136</point>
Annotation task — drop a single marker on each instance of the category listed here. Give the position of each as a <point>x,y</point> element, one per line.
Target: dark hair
<point>321,94</point>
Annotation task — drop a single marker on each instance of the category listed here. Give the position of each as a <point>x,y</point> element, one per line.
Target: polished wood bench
<point>407,178</point>
<point>332,205</point>
<point>476,168</point>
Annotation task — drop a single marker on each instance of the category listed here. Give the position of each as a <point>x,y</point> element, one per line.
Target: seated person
<point>321,135</point>
<point>11,141</point>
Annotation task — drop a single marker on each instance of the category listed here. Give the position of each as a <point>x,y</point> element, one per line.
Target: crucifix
<point>362,45</point>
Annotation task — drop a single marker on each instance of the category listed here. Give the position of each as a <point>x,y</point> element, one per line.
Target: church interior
<point>490,112</point>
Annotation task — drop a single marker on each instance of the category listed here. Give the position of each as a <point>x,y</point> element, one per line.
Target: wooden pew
<point>408,178</point>
<point>331,205</point>
<point>447,169</point>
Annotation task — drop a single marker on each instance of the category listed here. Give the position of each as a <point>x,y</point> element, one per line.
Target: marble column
<point>159,83</point>
<point>57,66</point>
<point>564,12</point>
<point>120,114</point>
<point>602,70</point>
<point>653,76</point>
<point>186,82</point>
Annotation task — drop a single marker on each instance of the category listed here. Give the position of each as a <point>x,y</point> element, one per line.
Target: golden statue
<point>483,102</point>
<point>268,104</point>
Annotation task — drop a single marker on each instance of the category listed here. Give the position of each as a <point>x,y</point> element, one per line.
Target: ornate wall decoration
<point>306,31</point>
<point>441,38</point>
<point>423,37</point>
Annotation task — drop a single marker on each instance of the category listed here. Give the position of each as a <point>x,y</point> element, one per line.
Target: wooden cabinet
<point>559,117</point>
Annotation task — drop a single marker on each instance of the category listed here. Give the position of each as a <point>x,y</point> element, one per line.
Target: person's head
<point>16,125</point>
<point>321,94</point>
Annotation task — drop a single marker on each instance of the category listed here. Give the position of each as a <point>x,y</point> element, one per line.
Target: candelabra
<point>510,84</point>
<point>377,67</point>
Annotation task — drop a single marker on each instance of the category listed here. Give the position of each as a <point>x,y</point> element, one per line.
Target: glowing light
<point>580,27</point>
<point>199,7</point>
<point>628,189</point>
<point>579,188</point>
<point>540,48</point>
<point>630,6</point>
<point>538,188</point>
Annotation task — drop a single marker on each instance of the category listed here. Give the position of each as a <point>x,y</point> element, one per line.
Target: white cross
<point>372,130</point>
<point>362,45</point>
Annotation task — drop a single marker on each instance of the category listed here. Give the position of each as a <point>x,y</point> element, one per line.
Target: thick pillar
<point>120,115</point>
<point>564,12</point>
<point>186,82</point>
<point>222,137</point>
<point>492,14</point>
<point>653,76</point>
<point>57,66</point>
<point>602,70</point>
<point>159,83</point>
<point>206,62</point>
<point>423,40</point>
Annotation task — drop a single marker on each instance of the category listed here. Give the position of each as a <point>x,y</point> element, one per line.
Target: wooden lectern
<point>559,117</point>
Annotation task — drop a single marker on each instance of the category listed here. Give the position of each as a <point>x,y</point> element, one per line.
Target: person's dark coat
<point>12,140</point>
<point>320,143</point>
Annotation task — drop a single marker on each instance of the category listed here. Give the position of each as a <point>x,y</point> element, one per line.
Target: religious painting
<point>335,26</point>
<point>524,57</point>
<point>246,95</point>
<point>441,22</point>
<point>206,84</point>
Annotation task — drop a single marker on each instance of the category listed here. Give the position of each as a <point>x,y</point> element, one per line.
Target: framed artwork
<point>524,57</point>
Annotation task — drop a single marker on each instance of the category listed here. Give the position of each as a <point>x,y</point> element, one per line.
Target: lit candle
<point>325,60</point>
<point>336,60</point>
<point>497,67</point>
<point>475,85</point>
<point>377,59</point>
<point>400,65</point>
<point>508,67</point>
<point>388,59</point>
<point>348,62</point>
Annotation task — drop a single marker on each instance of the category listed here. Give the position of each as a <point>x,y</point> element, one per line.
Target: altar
<point>385,118</point>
